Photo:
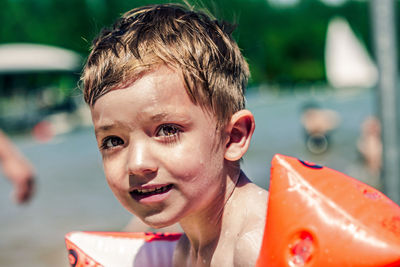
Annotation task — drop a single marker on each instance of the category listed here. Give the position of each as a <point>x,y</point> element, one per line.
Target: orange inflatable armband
<point>97,249</point>
<point>318,217</point>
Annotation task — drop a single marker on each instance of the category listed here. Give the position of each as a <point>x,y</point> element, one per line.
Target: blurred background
<point>314,91</point>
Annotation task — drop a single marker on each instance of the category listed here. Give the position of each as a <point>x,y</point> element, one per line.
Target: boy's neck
<point>203,229</point>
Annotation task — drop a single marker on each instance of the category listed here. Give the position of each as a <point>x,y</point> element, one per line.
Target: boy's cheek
<point>200,159</point>
<point>111,183</point>
<point>186,166</point>
<point>112,174</point>
<point>119,193</point>
<point>115,188</point>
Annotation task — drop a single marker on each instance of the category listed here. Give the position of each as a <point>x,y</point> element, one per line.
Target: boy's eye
<point>168,130</point>
<point>111,141</point>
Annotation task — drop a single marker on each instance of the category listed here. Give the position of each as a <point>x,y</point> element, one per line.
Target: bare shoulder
<point>250,237</point>
<point>254,193</point>
<point>254,200</point>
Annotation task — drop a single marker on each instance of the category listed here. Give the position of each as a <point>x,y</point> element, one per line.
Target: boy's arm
<point>17,169</point>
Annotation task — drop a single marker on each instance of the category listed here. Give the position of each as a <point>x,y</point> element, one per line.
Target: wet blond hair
<point>214,71</point>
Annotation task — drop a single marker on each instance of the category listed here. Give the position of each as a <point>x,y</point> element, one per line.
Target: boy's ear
<point>240,130</point>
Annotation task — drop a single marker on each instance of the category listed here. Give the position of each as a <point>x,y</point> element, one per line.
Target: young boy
<point>165,86</point>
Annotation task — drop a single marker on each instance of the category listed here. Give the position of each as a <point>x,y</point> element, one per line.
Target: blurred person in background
<point>17,169</point>
<point>369,145</point>
<point>369,149</point>
<point>318,124</point>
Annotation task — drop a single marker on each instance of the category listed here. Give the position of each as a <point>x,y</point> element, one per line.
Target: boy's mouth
<point>147,192</point>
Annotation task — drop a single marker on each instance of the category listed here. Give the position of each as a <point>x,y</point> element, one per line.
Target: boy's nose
<point>140,160</point>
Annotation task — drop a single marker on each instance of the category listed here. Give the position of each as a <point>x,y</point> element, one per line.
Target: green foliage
<point>283,45</point>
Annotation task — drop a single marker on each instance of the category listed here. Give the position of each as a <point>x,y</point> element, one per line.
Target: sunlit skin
<point>152,136</point>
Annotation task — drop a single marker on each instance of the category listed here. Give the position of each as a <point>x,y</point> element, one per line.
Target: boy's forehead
<point>157,95</point>
<point>154,83</point>
<point>160,78</point>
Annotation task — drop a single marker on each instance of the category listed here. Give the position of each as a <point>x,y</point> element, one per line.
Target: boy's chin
<point>159,224</point>
<point>162,218</point>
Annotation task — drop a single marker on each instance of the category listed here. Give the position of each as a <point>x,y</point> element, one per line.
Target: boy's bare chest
<point>219,256</point>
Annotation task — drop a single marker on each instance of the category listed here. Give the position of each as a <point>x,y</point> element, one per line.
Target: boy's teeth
<point>158,190</point>
<point>144,190</point>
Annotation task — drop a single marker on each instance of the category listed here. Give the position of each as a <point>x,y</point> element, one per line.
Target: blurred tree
<point>282,44</point>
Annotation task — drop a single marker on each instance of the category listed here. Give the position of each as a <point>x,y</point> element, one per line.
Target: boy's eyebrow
<point>106,127</point>
<point>165,115</point>
<point>159,117</point>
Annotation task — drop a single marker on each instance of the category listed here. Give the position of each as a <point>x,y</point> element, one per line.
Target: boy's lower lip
<point>152,197</point>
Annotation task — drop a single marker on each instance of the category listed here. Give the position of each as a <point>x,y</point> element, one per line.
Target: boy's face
<point>162,156</point>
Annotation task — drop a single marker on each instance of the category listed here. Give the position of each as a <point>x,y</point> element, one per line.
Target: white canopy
<point>347,61</point>
<point>16,58</point>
